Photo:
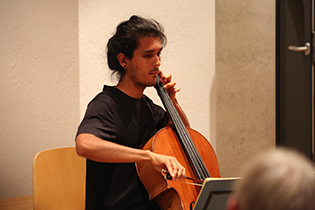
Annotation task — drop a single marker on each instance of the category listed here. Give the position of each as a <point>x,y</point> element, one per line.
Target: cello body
<point>192,151</point>
<point>169,194</point>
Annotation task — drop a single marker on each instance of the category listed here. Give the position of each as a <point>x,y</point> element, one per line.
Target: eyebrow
<point>149,51</point>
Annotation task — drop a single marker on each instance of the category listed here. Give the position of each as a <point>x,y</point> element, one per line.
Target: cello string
<point>174,114</point>
<point>185,136</point>
<point>194,153</point>
<point>188,144</point>
<point>197,162</point>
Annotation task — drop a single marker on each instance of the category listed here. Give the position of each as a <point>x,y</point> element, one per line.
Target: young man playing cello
<point>121,118</point>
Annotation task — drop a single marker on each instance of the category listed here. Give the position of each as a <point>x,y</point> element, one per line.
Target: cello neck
<point>182,133</point>
<point>169,106</point>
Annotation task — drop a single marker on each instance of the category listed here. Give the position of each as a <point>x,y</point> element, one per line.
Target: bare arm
<point>94,148</point>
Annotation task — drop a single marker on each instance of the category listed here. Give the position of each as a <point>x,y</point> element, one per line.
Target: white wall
<point>44,92</point>
<point>39,97</point>
<point>189,55</point>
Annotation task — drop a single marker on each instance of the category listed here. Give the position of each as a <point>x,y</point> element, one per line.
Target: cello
<point>190,148</point>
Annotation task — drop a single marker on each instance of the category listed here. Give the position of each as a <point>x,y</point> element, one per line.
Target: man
<point>121,118</point>
<point>280,179</point>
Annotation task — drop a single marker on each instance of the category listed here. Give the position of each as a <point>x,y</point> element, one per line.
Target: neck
<point>131,89</point>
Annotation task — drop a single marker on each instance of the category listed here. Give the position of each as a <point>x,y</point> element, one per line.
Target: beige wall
<point>39,95</point>
<point>245,81</point>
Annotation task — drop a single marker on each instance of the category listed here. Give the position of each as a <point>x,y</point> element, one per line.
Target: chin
<point>151,84</point>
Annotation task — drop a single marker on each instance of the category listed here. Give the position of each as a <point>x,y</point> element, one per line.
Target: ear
<point>123,60</point>
<point>232,204</point>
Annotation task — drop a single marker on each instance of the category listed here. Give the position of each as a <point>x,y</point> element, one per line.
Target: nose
<point>157,61</point>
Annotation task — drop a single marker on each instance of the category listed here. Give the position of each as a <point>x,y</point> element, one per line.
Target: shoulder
<point>148,102</point>
<point>106,96</point>
<point>154,107</point>
<point>146,99</point>
<point>102,102</point>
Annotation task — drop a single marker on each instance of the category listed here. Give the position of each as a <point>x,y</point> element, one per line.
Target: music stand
<point>215,193</point>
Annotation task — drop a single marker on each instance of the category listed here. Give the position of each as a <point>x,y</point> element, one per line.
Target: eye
<point>148,55</point>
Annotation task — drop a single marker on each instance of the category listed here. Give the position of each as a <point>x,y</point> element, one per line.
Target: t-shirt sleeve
<point>98,120</point>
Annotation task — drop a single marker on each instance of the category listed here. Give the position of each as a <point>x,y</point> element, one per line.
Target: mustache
<point>154,70</point>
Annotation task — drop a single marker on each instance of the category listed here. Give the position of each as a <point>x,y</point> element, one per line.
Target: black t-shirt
<point>114,116</point>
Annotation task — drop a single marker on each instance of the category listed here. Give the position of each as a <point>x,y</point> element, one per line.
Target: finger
<point>164,171</point>
<point>176,90</point>
<point>160,74</point>
<point>178,170</point>
<point>181,172</point>
<point>171,170</point>
<point>166,79</point>
<point>170,85</point>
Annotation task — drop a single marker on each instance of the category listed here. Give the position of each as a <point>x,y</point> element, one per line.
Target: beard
<point>144,79</point>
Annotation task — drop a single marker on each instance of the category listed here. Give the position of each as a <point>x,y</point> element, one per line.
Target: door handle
<point>306,48</point>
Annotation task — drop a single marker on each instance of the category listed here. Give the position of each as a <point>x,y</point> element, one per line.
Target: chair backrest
<point>59,180</point>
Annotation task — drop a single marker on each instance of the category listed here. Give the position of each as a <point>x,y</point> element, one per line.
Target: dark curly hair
<point>125,40</point>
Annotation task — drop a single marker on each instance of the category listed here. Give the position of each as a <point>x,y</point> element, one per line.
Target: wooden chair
<point>59,180</point>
